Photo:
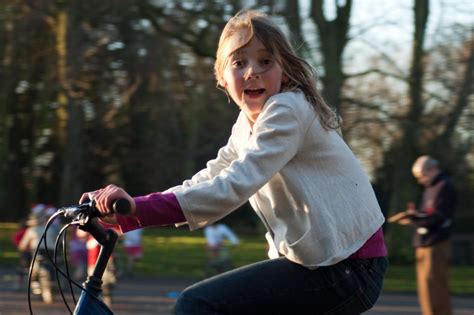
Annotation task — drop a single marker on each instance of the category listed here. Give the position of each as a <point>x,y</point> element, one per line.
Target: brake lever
<point>75,211</point>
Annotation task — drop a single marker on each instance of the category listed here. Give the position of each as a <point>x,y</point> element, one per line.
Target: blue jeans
<point>279,286</point>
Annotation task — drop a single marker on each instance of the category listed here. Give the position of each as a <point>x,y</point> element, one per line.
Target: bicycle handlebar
<point>85,217</point>
<point>121,206</point>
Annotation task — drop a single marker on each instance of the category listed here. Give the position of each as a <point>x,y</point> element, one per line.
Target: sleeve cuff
<point>128,223</point>
<point>152,210</point>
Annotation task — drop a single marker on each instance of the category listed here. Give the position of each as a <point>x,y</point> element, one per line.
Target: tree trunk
<point>17,118</point>
<point>333,38</point>
<point>69,53</point>
<point>292,16</point>
<point>6,55</point>
<point>403,186</point>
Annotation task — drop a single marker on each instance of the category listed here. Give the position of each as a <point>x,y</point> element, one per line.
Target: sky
<point>387,25</point>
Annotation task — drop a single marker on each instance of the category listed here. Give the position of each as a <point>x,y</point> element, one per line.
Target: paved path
<point>407,304</point>
<point>145,296</point>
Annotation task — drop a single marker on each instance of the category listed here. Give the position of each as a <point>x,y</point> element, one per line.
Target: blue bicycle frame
<point>88,305</point>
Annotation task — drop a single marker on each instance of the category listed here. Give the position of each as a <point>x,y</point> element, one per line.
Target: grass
<point>180,253</point>
<point>171,252</point>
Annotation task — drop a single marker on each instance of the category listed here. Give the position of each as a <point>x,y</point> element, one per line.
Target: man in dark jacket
<point>433,227</point>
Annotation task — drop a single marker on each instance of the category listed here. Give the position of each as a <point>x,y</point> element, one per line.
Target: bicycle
<point>85,216</point>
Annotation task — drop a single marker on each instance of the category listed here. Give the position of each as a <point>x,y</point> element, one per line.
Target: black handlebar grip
<point>122,206</point>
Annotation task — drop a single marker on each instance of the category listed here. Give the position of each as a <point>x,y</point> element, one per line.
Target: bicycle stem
<point>107,239</point>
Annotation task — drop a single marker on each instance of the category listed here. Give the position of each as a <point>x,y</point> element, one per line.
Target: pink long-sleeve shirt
<point>163,209</point>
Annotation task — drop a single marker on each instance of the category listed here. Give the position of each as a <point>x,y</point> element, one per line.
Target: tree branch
<point>196,45</point>
<point>395,76</point>
<point>462,98</point>
<point>371,106</point>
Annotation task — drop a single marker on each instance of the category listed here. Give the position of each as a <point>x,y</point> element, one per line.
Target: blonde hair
<point>301,75</point>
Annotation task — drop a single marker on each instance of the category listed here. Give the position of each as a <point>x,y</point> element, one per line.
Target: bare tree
<point>333,37</point>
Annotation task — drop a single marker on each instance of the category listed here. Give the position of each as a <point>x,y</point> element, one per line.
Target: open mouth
<point>254,92</point>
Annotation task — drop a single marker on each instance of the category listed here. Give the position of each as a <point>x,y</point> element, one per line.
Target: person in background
<point>132,245</point>
<point>219,258</point>
<point>432,221</point>
<point>24,256</point>
<point>286,157</point>
<point>42,274</point>
<point>78,253</point>
<point>109,278</point>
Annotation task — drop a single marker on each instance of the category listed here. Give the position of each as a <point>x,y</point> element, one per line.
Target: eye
<point>238,63</point>
<point>266,62</point>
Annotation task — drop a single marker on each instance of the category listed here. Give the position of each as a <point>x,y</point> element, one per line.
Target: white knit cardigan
<point>303,181</point>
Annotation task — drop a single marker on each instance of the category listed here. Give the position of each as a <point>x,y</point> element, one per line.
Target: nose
<point>253,71</point>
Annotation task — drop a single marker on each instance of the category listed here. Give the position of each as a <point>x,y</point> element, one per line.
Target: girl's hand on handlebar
<point>104,199</point>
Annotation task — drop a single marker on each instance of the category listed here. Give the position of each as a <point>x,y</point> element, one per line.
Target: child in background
<point>78,250</point>
<point>132,245</point>
<point>42,273</point>
<point>286,157</point>
<point>24,256</point>
<point>219,258</point>
<point>109,278</point>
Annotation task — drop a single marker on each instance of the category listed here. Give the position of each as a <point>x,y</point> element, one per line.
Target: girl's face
<point>251,76</point>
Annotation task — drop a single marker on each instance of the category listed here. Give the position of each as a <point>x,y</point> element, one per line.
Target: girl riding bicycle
<point>286,157</point>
